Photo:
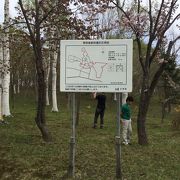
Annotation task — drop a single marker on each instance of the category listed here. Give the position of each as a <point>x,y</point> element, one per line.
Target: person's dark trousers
<point>97,113</point>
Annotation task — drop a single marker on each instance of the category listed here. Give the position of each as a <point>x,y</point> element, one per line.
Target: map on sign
<point>85,67</point>
<point>96,65</point>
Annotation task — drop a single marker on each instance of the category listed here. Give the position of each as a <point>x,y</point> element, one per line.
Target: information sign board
<point>96,65</point>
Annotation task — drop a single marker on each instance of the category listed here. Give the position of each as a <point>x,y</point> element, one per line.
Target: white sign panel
<point>96,65</point>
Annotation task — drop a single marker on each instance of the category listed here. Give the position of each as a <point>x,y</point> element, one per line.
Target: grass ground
<point>23,154</point>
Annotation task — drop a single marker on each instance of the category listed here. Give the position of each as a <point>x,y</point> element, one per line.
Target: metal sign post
<point>96,66</point>
<point>117,138</point>
<point>71,170</point>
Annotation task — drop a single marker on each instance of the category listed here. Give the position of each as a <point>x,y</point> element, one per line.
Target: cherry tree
<point>34,22</point>
<point>39,18</point>
<point>150,23</point>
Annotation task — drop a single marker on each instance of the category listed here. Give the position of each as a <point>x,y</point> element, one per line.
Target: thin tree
<point>1,74</point>
<point>6,62</point>
<point>47,70</point>
<point>54,57</point>
<point>38,19</point>
<point>35,38</point>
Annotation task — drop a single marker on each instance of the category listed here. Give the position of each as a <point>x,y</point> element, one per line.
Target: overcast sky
<point>12,4</point>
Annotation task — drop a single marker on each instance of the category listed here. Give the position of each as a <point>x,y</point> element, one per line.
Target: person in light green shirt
<point>126,120</point>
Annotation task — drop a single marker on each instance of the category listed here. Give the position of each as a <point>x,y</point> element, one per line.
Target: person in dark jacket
<point>100,109</point>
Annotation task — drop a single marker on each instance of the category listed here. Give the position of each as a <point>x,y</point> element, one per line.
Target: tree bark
<point>35,38</point>
<point>18,83</point>
<point>1,66</point>
<point>40,117</point>
<point>54,77</point>
<point>6,54</point>
<point>142,113</point>
<point>47,80</point>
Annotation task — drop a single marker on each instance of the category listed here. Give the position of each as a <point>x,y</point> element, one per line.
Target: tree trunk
<point>35,38</point>
<point>54,77</point>
<point>6,54</point>
<point>41,89</point>
<point>120,4</point>
<point>146,94</point>
<point>40,117</point>
<point>18,83</point>
<point>5,97</point>
<point>12,85</point>
<point>47,81</point>
<point>1,66</point>
<point>143,108</point>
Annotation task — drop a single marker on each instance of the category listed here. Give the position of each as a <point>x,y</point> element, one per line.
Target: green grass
<point>23,154</point>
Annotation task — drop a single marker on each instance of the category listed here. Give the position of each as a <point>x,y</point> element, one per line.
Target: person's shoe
<point>94,126</point>
<point>125,143</point>
<point>3,122</point>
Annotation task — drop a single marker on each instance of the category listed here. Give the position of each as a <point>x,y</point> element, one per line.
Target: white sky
<point>12,4</point>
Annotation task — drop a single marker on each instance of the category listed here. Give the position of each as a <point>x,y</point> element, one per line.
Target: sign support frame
<point>118,137</point>
<point>71,169</point>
